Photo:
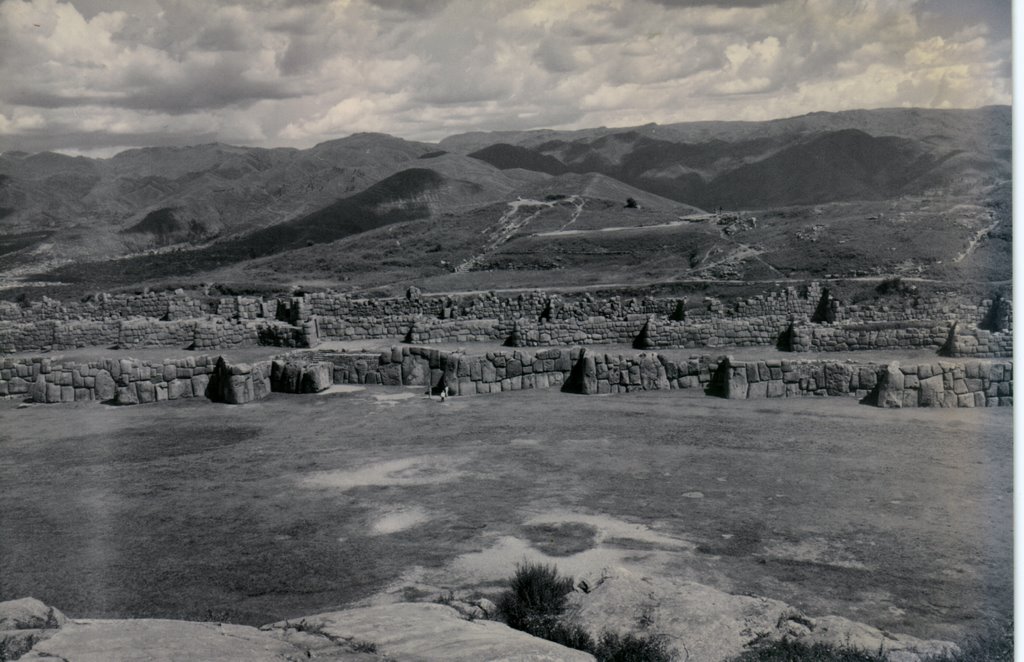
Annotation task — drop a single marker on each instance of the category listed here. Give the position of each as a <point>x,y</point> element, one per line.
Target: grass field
<point>298,504</point>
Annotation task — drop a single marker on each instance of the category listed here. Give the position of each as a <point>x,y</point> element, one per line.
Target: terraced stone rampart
<point>807,320</point>
<point>129,381</point>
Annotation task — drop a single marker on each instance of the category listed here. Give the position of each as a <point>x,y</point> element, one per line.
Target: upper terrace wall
<point>50,335</point>
<point>781,317</point>
<point>787,302</point>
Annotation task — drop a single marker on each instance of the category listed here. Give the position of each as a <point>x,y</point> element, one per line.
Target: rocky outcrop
<point>698,621</point>
<point>157,640</point>
<point>30,630</point>
<point>24,623</point>
<point>706,624</point>
<point>426,631</point>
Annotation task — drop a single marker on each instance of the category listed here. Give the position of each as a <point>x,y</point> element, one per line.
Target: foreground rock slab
<point>155,640</point>
<point>24,623</point>
<point>421,631</point>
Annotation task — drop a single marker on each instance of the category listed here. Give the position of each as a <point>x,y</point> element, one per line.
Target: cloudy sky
<point>95,76</point>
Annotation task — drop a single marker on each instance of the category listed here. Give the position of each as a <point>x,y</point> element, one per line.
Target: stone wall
<point>841,337</point>
<point>129,381</point>
<point>51,335</point>
<point>529,319</point>
<point>979,343</point>
<point>946,384</point>
<point>967,384</point>
<point>126,381</point>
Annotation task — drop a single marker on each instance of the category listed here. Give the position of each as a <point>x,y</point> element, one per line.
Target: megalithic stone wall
<point>543,319</point>
<point>578,370</point>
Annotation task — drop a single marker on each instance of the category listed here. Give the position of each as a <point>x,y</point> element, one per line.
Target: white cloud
<point>87,74</point>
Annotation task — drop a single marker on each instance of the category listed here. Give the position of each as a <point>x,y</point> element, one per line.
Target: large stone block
<point>931,392</point>
<point>200,383</point>
<point>127,395</point>
<point>890,387</point>
<point>318,377</point>
<point>37,391</point>
<point>735,380</point>
<point>837,378</point>
<point>757,390</point>
<point>391,374</point>
<point>105,387</point>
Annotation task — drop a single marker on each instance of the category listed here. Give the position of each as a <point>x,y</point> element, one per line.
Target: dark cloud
<point>208,91</point>
<point>413,7</point>
<point>945,15</point>
<point>221,37</point>
<point>555,56</point>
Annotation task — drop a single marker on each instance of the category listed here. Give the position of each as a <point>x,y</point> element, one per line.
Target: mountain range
<point>821,194</point>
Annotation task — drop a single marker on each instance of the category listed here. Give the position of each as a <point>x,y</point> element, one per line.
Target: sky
<point>97,76</point>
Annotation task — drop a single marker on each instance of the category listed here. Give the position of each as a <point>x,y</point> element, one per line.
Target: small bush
<point>895,286</point>
<point>535,597</point>
<point>535,602</point>
<point>359,646</point>
<point>570,635</point>
<point>795,651</point>
<point>632,648</point>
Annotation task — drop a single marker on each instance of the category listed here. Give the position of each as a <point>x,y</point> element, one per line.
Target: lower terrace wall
<point>962,384</point>
<point>50,381</point>
<point>129,381</point>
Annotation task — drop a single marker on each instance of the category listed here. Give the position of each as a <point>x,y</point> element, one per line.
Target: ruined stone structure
<point>784,318</point>
<point>129,382</point>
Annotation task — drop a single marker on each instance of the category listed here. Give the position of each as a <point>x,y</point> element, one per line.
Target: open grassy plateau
<point>898,518</point>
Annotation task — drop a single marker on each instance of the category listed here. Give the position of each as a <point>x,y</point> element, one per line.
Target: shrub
<point>535,602</point>
<point>359,646</point>
<point>535,597</point>
<point>632,648</point>
<point>895,286</point>
<point>795,651</point>
<point>570,635</point>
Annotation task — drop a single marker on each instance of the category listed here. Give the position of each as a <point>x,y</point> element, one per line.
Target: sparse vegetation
<point>632,648</point>
<point>535,603</point>
<point>360,646</point>
<point>995,645</point>
<point>786,650</point>
<point>535,598</point>
<point>895,286</point>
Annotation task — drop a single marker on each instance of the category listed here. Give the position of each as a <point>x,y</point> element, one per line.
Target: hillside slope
<point>816,158</point>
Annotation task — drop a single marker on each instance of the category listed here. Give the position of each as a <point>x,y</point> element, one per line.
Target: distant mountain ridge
<point>817,158</point>
<point>190,210</point>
